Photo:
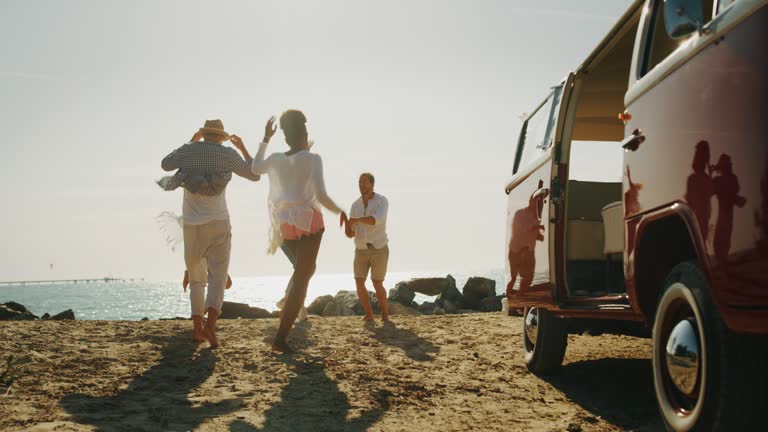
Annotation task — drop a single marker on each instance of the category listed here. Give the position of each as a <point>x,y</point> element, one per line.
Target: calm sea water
<point>166,299</point>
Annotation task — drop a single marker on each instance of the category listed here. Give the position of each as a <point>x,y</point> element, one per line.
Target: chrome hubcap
<point>532,324</point>
<point>683,357</point>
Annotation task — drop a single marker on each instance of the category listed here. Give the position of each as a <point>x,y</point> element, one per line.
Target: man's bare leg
<point>381,294</point>
<point>362,294</point>
<point>209,330</point>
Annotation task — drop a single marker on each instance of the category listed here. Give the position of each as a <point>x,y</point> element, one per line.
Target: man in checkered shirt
<point>207,233</point>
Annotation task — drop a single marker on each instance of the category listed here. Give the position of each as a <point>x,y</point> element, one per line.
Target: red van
<point>639,205</point>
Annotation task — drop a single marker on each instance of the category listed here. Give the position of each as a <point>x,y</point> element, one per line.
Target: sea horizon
<point>135,299</point>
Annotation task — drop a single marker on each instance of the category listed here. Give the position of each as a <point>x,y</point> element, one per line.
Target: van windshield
<point>539,129</point>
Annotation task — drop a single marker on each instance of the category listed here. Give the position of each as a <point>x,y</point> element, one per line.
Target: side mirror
<point>682,17</point>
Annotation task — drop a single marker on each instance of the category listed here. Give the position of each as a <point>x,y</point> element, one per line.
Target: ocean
<point>134,300</point>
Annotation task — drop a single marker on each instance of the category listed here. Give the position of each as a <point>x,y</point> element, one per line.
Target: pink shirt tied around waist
<point>292,232</point>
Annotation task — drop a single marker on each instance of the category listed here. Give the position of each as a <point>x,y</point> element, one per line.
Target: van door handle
<point>633,141</point>
<point>542,193</point>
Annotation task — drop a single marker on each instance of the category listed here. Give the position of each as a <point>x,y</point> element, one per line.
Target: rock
<point>492,304</point>
<point>401,294</point>
<point>318,305</point>
<point>232,310</point>
<point>8,314</point>
<point>46,316</point>
<point>476,290</point>
<point>337,308</point>
<point>398,309</point>
<point>430,286</point>
<point>438,311</point>
<point>18,307</point>
<point>452,295</point>
<point>374,303</point>
<point>13,311</point>
<point>276,314</point>
<point>426,307</point>
<point>145,319</point>
<point>62,316</point>
<point>351,299</point>
<point>479,287</point>
<point>450,307</point>
<point>178,318</point>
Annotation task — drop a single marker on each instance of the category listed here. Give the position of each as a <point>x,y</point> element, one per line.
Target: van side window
<point>659,44</point>
<point>538,130</point>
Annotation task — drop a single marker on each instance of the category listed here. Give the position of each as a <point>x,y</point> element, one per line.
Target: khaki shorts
<point>373,259</point>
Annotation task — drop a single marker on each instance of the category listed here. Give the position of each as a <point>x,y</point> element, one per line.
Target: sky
<point>427,95</point>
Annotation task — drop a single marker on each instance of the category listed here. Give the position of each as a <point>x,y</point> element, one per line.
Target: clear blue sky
<point>425,94</point>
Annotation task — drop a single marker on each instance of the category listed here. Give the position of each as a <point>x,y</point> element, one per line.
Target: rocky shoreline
<point>12,311</point>
<point>477,295</point>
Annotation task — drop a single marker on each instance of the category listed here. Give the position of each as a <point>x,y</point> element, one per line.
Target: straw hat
<point>214,127</point>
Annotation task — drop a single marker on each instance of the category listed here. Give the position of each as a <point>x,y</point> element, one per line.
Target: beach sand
<point>446,373</point>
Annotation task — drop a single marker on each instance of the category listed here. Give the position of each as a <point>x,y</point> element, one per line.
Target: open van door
<point>531,209</point>
<point>557,220</point>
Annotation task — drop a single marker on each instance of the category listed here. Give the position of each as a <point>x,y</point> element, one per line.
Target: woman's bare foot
<point>385,318</point>
<point>280,345</point>
<point>367,318</point>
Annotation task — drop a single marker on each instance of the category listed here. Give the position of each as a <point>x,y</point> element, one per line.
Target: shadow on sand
<point>157,399</point>
<point>414,346</point>
<point>298,338</point>
<point>620,391</point>
<point>311,401</point>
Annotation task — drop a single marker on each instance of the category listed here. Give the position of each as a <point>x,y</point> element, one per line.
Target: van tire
<point>730,387</point>
<point>545,355</point>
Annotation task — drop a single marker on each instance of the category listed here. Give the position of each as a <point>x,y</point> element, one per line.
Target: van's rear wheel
<point>545,338</point>
<point>706,377</point>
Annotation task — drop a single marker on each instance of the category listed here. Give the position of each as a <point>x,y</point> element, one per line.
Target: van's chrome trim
<point>534,166</point>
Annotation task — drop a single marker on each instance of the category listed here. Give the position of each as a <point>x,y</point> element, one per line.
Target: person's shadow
<point>414,346</point>
<point>312,402</point>
<point>298,338</point>
<point>157,399</point>
<point>620,391</point>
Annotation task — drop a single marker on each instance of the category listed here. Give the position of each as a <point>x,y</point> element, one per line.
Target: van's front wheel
<point>705,376</point>
<point>545,338</point>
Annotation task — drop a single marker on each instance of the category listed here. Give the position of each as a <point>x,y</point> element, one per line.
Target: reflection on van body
<point>526,230</point>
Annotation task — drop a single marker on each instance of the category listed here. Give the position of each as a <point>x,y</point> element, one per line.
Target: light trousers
<point>206,254</point>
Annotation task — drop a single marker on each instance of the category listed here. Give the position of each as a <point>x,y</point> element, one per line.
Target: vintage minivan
<point>639,204</point>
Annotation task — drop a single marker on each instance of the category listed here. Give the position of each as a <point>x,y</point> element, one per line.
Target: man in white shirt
<point>368,225</point>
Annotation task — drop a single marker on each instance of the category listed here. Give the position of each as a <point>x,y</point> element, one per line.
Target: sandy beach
<point>446,373</point>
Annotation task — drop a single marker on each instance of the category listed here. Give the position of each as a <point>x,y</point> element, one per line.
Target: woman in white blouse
<point>296,191</point>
